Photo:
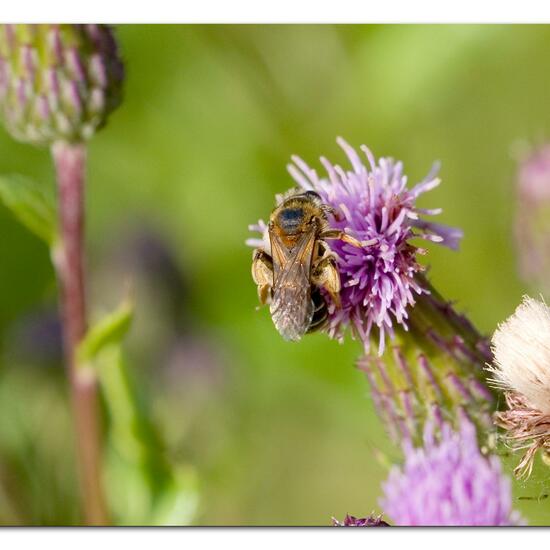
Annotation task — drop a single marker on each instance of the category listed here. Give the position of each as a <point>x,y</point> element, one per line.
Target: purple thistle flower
<point>449,482</point>
<point>374,205</point>
<point>433,368</point>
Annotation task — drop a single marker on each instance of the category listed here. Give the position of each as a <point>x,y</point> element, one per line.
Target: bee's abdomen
<point>291,311</point>
<point>320,311</point>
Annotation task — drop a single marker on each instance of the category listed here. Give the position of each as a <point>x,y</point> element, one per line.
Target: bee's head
<point>296,213</point>
<point>291,219</point>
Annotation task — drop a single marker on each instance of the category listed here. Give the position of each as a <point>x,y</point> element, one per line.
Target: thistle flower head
<point>521,348</point>
<point>373,204</point>
<point>433,369</point>
<point>58,82</point>
<point>449,482</point>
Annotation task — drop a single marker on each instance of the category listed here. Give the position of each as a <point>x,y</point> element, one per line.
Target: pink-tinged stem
<point>70,164</point>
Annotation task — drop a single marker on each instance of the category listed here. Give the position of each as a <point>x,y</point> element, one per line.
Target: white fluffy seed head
<point>521,348</point>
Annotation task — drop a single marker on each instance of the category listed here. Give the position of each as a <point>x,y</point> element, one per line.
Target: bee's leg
<point>325,275</point>
<point>337,234</point>
<point>328,210</point>
<point>262,273</point>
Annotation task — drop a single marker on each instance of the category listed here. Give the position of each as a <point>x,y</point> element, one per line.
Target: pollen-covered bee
<point>301,264</point>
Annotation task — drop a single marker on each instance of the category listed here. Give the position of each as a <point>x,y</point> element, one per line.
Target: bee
<point>300,265</point>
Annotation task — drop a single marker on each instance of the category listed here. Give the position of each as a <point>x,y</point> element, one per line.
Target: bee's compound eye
<point>313,195</point>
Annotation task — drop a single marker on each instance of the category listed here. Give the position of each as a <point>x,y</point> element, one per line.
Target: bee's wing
<point>291,308</point>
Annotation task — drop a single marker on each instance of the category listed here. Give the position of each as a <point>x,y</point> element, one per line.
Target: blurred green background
<point>279,433</point>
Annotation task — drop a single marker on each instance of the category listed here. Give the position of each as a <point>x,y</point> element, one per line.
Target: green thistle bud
<point>434,372</point>
<point>58,82</point>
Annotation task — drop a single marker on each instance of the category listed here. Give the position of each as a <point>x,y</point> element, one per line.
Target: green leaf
<point>32,203</point>
<point>108,331</point>
<point>179,501</point>
<point>144,486</point>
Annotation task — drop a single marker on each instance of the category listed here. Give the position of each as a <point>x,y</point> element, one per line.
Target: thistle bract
<point>58,82</point>
<point>434,371</point>
<point>352,521</point>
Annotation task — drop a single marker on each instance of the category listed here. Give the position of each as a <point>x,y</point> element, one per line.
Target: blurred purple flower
<point>449,482</point>
<point>534,174</point>
<point>374,205</point>
<point>532,224</point>
<point>352,521</point>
